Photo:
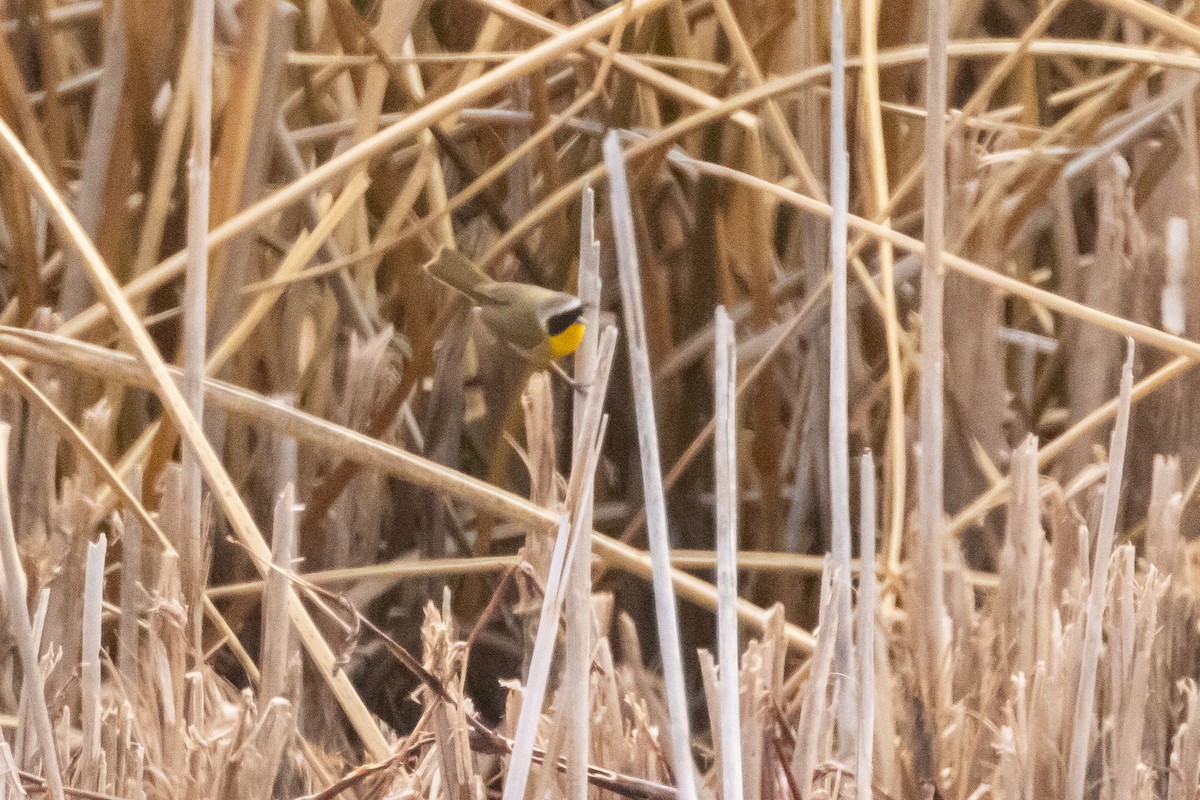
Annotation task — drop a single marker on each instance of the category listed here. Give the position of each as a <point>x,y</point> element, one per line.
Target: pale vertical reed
<point>195,299</point>
<point>868,594</point>
<point>579,643</point>
<point>22,631</point>
<point>726,489</point>
<point>839,425</point>
<point>666,615</point>
<point>1085,697</point>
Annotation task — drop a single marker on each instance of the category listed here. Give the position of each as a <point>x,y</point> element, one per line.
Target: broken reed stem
<point>839,424</point>
<point>22,630</point>
<point>578,656</point>
<point>804,759</point>
<point>534,692</point>
<point>276,633</point>
<point>625,240</point>
<point>195,304</point>
<point>128,633</point>
<point>868,594</point>
<point>726,489</point>
<point>22,746</point>
<point>89,662</point>
<point>1085,696</point>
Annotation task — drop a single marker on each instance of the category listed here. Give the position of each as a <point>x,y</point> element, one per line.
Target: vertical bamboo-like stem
<point>868,593</point>
<point>656,508</point>
<point>929,480</point>
<point>726,490</point>
<point>27,702</point>
<point>8,766</point>
<point>195,301</point>
<point>89,677</point>
<point>276,631</point>
<point>815,709</point>
<point>22,630</point>
<point>1085,696</point>
<point>128,634</point>
<point>839,425</point>
<point>525,735</point>
<point>579,607</point>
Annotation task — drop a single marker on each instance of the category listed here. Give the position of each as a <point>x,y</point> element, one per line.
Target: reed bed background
<point>875,478</point>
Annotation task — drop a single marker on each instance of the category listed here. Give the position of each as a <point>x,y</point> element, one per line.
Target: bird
<point>541,324</point>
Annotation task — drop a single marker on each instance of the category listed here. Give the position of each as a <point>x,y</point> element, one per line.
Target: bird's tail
<point>457,271</point>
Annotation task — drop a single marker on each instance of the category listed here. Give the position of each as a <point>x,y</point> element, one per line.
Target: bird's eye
<point>560,322</point>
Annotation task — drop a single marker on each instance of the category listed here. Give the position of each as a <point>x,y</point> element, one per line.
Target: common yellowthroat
<point>541,324</point>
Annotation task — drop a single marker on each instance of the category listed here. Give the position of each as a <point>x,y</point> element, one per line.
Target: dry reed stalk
<point>1132,629</point>
<point>815,713</point>
<point>1020,562</point>
<point>726,489</point>
<point>1085,697</point>
<point>90,769</point>
<point>579,644</point>
<point>394,570</point>
<point>929,606</point>
<point>1184,775</point>
<point>195,294</point>
<point>839,425</point>
<point>244,135</point>
<point>681,559</point>
<point>276,650</point>
<point>131,590</point>
<point>656,513</point>
<point>22,632</point>
<point>27,705</point>
<point>868,594</point>
<point>534,691</point>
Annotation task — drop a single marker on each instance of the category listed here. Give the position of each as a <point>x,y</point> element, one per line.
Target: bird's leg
<point>580,388</point>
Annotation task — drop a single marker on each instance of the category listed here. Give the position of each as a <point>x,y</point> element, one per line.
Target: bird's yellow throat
<point>563,344</point>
